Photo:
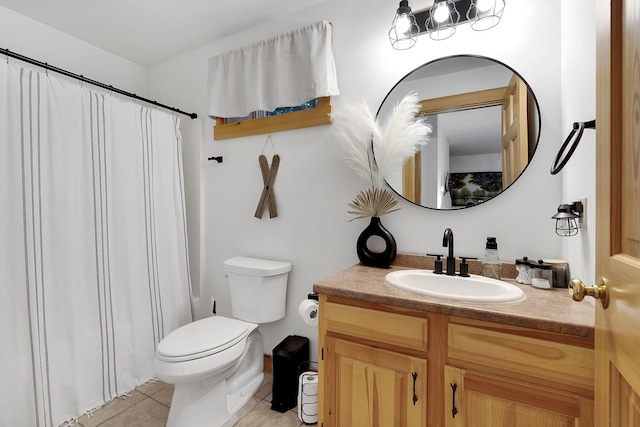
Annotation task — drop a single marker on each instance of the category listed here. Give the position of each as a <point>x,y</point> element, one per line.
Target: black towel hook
<point>562,158</point>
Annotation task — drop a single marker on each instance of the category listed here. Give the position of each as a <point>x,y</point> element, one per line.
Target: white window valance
<point>284,71</point>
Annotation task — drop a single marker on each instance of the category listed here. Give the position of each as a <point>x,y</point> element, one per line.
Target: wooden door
<point>412,178</point>
<point>374,387</point>
<point>475,399</point>
<point>617,384</point>
<point>515,131</point>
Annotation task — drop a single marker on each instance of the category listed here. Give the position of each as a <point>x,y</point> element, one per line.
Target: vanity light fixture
<point>404,29</point>
<point>566,225</point>
<point>441,20</point>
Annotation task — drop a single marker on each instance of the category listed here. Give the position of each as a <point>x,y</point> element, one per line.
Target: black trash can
<point>287,357</point>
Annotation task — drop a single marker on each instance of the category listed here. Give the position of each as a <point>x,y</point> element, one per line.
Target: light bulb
<point>403,24</point>
<point>441,14</point>
<point>485,5</point>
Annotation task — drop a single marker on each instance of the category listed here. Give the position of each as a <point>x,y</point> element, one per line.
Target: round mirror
<point>485,123</point>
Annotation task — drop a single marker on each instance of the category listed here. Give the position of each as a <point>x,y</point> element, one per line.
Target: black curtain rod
<point>46,66</point>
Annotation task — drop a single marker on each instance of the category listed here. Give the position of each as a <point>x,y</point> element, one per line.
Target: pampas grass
<point>399,137</point>
<point>360,135</point>
<point>352,129</point>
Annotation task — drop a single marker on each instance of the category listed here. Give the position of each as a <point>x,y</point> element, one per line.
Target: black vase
<point>376,259</point>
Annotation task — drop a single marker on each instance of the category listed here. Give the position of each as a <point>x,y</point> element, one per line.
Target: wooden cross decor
<point>268,178</point>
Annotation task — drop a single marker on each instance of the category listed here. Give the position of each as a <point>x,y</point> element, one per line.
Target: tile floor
<point>148,406</point>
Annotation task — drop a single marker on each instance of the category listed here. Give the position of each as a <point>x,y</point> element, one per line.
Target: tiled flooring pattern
<point>148,406</point>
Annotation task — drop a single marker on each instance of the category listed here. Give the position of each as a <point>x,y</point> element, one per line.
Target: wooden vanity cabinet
<point>379,365</point>
<point>507,376</point>
<point>382,365</point>
<point>374,387</point>
<point>481,400</point>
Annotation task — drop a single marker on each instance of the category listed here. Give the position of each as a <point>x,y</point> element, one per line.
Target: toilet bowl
<point>216,364</point>
<point>215,374</point>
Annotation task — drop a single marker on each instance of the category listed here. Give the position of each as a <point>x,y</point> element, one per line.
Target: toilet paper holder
<point>308,309</point>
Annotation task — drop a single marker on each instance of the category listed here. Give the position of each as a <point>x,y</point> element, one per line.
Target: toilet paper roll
<point>310,390</point>
<point>310,410</point>
<point>308,310</point>
<point>309,377</point>
<point>309,382</point>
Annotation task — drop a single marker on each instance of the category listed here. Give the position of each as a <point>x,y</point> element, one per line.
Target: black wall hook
<point>217,159</point>
<point>562,158</point>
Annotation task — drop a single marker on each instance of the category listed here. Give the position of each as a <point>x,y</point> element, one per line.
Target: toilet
<point>216,364</point>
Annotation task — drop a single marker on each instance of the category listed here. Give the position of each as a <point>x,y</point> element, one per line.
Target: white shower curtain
<point>93,254</point>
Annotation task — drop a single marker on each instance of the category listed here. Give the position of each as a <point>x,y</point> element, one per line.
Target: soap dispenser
<point>491,265</point>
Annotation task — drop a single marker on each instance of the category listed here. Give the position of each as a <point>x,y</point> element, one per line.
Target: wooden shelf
<point>320,115</point>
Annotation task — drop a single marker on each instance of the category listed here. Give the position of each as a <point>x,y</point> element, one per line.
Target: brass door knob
<point>578,291</point>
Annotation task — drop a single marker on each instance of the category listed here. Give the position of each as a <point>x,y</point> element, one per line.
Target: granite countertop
<point>550,310</point>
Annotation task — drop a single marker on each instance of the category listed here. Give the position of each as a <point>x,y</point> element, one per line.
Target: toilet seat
<point>203,338</point>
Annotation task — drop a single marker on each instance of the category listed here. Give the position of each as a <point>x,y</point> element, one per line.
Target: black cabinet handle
<point>454,410</point>
<point>415,397</point>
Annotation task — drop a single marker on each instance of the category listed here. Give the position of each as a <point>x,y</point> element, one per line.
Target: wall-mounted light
<point>566,225</point>
<point>404,29</point>
<point>441,20</point>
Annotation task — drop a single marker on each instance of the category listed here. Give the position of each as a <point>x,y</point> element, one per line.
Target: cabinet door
<point>367,386</point>
<point>478,400</point>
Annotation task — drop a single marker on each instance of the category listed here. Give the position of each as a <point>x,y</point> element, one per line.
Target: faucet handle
<point>437,263</point>
<point>464,267</point>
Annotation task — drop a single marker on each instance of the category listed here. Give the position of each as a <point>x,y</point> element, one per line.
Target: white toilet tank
<point>258,288</point>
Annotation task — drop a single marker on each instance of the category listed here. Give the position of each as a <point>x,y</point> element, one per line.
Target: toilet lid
<point>203,338</point>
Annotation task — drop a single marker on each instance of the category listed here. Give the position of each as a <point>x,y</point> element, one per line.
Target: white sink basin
<point>474,288</point>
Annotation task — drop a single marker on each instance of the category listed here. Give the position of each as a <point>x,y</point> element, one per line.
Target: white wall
<point>314,186</point>
<point>477,163</point>
<point>489,76</point>
<point>579,105</point>
<point>30,38</point>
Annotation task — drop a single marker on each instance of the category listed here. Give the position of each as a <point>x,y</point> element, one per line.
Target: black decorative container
<point>376,259</point>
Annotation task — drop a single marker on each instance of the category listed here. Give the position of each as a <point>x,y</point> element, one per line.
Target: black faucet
<point>447,241</point>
